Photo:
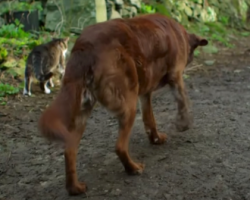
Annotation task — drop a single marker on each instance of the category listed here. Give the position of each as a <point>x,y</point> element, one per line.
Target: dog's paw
<point>159,139</point>
<point>135,169</point>
<point>183,122</point>
<point>77,189</point>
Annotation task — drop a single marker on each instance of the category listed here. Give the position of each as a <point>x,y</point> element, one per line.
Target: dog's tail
<point>61,115</point>
<point>55,131</point>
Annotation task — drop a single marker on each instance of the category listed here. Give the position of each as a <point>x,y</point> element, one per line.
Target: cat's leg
<point>44,82</point>
<point>27,86</point>
<point>50,83</point>
<point>44,87</point>
<point>61,66</point>
<point>61,70</point>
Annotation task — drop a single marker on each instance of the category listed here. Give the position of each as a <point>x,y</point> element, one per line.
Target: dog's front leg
<point>183,120</point>
<point>149,121</point>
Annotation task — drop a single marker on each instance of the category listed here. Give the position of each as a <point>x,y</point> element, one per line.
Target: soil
<point>209,161</point>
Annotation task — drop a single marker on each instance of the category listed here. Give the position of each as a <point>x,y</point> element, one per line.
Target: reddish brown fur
<point>115,63</point>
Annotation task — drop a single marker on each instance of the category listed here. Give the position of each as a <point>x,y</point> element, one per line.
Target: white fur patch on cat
<point>64,53</point>
<point>25,92</point>
<point>51,82</point>
<point>46,89</point>
<point>61,69</point>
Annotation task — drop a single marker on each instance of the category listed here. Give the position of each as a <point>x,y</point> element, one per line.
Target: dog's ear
<point>196,41</point>
<point>203,42</point>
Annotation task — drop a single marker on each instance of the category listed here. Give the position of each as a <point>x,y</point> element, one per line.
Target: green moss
<point>3,54</point>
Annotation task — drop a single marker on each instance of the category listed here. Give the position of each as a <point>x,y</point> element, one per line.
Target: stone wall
<point>122,8</point>
<point>78,14</point>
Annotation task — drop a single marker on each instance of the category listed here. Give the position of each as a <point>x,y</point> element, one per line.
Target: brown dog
<point>114,63</point>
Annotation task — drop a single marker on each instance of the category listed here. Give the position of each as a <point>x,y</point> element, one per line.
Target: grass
<point>7,90</point>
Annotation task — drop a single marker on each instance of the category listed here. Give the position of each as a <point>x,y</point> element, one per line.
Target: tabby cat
<point>42,62</point>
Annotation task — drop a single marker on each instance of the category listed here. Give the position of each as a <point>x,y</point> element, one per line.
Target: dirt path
<point>210,161</point>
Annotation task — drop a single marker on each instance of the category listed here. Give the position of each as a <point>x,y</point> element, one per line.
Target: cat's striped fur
<point>42,62</point>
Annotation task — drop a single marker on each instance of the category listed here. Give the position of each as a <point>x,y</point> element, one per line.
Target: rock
<point>188,10</point>
<point>109,158</point>
<point>127,181</point>
<point>167,196</point>
<point>143,197</point>
<point>134,193</point>
<point>126,8</point>
<point>218,160</point>
<point>209,62</point>
<point>128,11</point>
<point>135,3</point>
<point>116,192</point>
<point>113,13</point>
<point>119,2</point>
<point>247,196</point>
<point>237,71</point>
<point>210,49</point>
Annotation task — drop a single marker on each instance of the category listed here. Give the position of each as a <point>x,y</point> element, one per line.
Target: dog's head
<point>194,41</point>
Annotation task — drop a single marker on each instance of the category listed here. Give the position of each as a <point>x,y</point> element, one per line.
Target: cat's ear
<point>66,39</point>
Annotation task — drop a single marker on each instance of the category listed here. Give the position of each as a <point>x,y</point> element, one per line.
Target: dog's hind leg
<point>73,186</point>
<point>126,120</point>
